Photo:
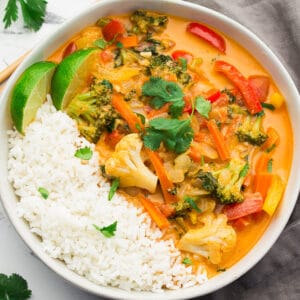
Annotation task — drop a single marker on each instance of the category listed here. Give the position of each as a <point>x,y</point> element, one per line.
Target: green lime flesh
<point>30,92</point>
<point>71,76</point>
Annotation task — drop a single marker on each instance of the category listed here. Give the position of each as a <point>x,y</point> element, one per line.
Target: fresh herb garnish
<point>44,193</point>
<point>107,231</point>
<point>270,165</point>
<point>192,203</point>
<point>244,171</point>
<point>119,45</point>
<point>33,12</point>
<point>101,43</point>
<point>176,134</point>
<point>13,287</point>
<point>187,261</point>
<point>114,186</point>
<point>268,106</point>
<point>142,117</point>
<point>183,62</point>
<point>162,92</point>
<point>84,153</point>
<point>271,148</point>
<point>202,106</point>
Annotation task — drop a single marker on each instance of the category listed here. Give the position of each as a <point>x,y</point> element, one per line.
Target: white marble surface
<point>15,257</point>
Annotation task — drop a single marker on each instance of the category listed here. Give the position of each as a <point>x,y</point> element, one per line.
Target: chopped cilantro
<point>119,45</point>
<point>268,106</point>
<point>101,43</point>
<point>142,117</point>
<point>183,62</point>
<point>202,106</point>
<point>13,287</point>
<point>84,153</point>
<point>192,203</point>
<point>162,92</point>
<point>187,261</point>
<point>114,186</point>
<point>107,231</point>
<point>270,149</point>
<point>44,193</point>
<point>270,165</point>
<point>176,134</point>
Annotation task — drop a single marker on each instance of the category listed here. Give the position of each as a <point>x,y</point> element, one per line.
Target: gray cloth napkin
<point>277,23</point>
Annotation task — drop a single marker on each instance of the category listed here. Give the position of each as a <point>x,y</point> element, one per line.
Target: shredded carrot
<point>129,41</point>
<point>262,182</point>
<point>273,139</point>
<point>219,140</point>
<point>166,185</point>
<point>194,153</point>
<point>274,195</point>
<point>262,163</point>
<point>123,108</point>
<point>156,215</point>
<point>155,112</point>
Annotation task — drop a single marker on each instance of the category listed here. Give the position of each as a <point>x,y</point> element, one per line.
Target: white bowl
<point>194,12</point>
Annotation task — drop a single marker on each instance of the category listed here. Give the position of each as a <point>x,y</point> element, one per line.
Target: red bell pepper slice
<point>260,84</point>
<point>182,54</point>
<point>214,97</point>
<point>250,97</point>
<point>113,30</point>
<point>69,49</point>
<point>253,203</point>
<point>208,35</point>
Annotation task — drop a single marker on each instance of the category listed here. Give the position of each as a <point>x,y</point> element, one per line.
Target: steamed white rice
<point>135,258</point>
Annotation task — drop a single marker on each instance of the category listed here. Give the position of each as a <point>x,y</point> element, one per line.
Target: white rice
<point>135,258</point>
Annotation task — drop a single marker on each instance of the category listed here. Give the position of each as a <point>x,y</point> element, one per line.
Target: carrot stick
<point>262,182</point>
<point>273,139</point>
<point>133,122</point>
<point>262,163</point>
<point>129,41</point>
<point>123,108</point>
<point>219,140</point>
<point>156,215</point>
<point>165,183</point>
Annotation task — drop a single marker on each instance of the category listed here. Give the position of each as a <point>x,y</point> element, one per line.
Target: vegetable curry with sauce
<point>186,121</point>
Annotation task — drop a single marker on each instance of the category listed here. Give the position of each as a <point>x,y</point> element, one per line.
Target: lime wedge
<point>30,92</point>
<point>71,76</point>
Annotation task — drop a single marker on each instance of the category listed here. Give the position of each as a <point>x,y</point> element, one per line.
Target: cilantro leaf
<point>187,261</point>
<point>107,231</point>
<point>11,13</point>
<point>183,62</point>
<point>176,134</point>
<point>114,186</point>
<point>202,106</point>
<point>101,43</point>
<point>14,287</point>
<point>33,12</point>
<point>84,153</point>
<point>192,203</point>
<point>163,92</point>
<point>44,193</point>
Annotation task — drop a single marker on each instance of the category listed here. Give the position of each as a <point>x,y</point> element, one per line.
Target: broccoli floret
<point>93,111</point>
<point>146,21</point>
<point>161,65</point>
<point>181,208</point>
<point>251,131</point>
<point>226,184</point>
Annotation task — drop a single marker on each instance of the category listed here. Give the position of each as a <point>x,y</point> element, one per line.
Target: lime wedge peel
<point>30,92</point>
<point>71,76</point>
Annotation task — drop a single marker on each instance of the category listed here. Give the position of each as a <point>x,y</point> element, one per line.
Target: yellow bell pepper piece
<point>117,75</point>
<point>276,99</point>
<point>274,195</point>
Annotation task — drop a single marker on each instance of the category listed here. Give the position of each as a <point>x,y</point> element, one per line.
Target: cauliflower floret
<point>213,239</point>
<point>127,164</point>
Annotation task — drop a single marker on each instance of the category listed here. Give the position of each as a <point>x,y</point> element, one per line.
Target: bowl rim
<point>254,255</point>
